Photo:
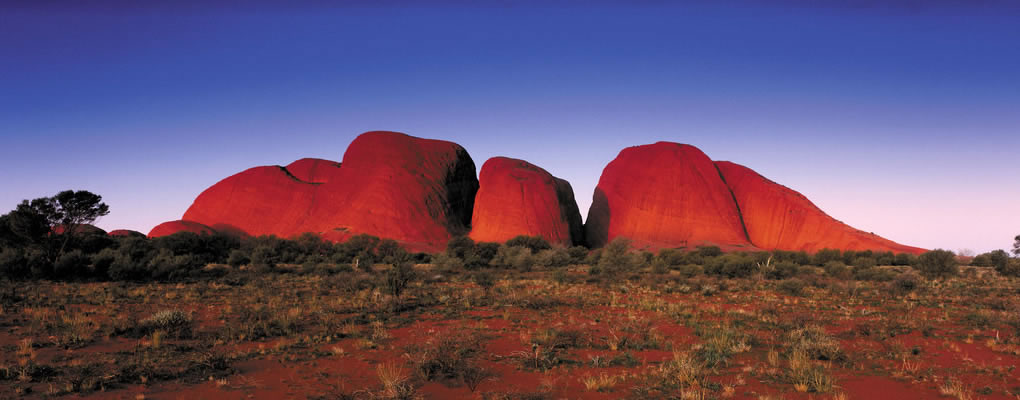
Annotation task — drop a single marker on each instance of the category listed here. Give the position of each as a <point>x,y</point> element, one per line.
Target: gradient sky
<point>900,119</point>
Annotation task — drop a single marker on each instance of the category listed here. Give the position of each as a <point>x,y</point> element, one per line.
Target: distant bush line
<point>190,256</point>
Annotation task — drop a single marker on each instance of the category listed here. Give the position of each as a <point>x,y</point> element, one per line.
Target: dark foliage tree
<point>74,209</point>
<point>7,236</point>
<point>34,221</point>
<point>998,259</point>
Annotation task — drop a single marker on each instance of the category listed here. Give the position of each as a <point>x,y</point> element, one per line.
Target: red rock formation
<point>85,229</point>
<point>172,227</point>
<point>417,191</point>
<point>314,170</point>
<point>257,201</point>
<point>125,233</point>
<point>664,195</point>
<point>780,218</point>
<point>517,198</point>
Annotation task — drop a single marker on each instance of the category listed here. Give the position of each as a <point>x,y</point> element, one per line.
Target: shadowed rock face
<point>172,227</point>
<point>417,191</point>
<point>780,218</point>
<point>664,195</point>
<point>518,198</point>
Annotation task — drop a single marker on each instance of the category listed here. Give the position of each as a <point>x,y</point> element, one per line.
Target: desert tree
<point>73,209</point>
<point>35,221</point>
<point>31,221</point>
<point>1016,246</point>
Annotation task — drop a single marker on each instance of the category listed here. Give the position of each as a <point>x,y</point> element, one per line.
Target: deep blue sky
<point>900,119</point>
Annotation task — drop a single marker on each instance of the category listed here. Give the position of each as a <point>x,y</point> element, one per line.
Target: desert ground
<point>532,333</point>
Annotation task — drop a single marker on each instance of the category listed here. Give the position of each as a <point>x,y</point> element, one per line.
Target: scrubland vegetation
<point>214,316</point>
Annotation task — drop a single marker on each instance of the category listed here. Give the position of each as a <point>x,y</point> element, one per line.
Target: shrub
<point>671,257</point>
<point>709,251</point>
<point>905,283</point>
<point>398,277</point>
<point>390,252</point>
<point>72,264</point>
<point>1012,268</point>
<point>577,254</point>
<point>792,287</point>
<point>874,274</point>
<point>484,279</point>
<point>446,262</point>
<point>534,243</point>
<point>815,344</point>
<point>360,249</point>
<point>783,270</point>
<point>807,270</point>
<point>129,259</point>
<point>659,266</point>
<point>937,263</point>
<point>554,258</point>
<point>824,256</point>
<point>175,323</point>
<point>38,263</point>
<point>616,256</point>
<point>865,262</point>
<point>165,265</point>
<point>837,269</point>
<point>474,255</point>
<point>123,268</point>
<point>693,257</point>
<point>689,270</point>
<point>731,265</point>
<point>102,261</point>
<point>461,247</point>
<point>447,355</point>
<point>904,259</point>
<point>205,249</point>
<point>593,257</point>
<point>484,252</point>
<point>513,257</point>
<point>999,260</point>
<point>886,258</point>
<point>796,257</point>
<point>238,258</point>
<point>13,263</point>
